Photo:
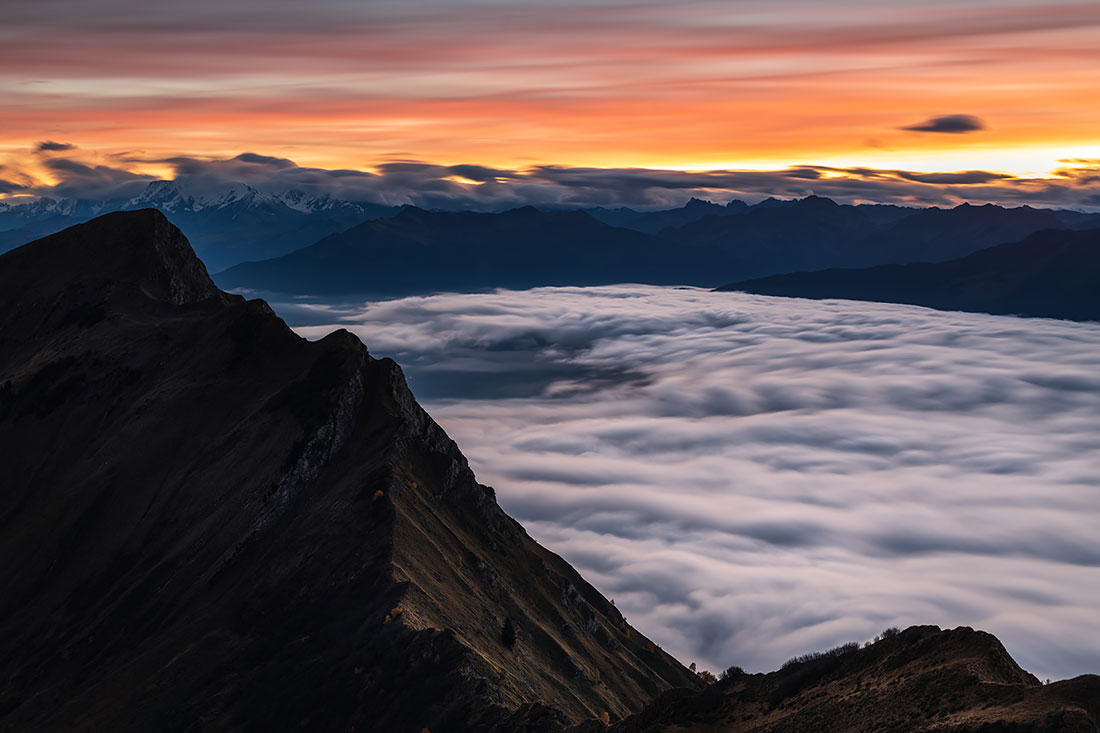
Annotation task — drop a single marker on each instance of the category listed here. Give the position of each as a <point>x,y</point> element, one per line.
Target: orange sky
<point>699,85</point>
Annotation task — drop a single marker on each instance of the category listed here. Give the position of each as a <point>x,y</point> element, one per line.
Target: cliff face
<point>922,679</point>
<point>209,522</point>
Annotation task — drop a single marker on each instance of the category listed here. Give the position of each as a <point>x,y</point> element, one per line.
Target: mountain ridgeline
<point>1051,274</point>
<point>210,523</point>
<point>418,251</point>
<point>337,250</point>
<point>228,225</point>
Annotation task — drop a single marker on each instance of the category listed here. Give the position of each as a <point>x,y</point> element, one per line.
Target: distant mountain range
<point>419,251</point>
<point>701,243</point>
<point>228,224</point>
<point>210,523</point>
<point>1051,273</point>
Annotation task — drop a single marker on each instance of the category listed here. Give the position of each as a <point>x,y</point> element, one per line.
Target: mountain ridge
<point>1052,273</point>
<point>213,520</point>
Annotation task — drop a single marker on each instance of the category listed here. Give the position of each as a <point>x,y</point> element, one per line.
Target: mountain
<point>816,233</point>
<point>652,222</point>
<point>227,224</point>
<point>420,251</point>
<point>208,522</point>
<point>921,679</point>
<point>1052,274</point>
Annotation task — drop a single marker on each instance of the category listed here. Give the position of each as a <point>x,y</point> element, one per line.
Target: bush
<point>887,633</point>
<point>835,653</point>
<point>732,673</point>
<point>508,633</point>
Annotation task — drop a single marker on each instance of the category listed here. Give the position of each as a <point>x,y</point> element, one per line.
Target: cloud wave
<point>1075,184</point>
<point>754,477</point>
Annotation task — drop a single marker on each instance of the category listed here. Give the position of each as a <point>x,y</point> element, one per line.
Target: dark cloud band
<point>1075,185</point>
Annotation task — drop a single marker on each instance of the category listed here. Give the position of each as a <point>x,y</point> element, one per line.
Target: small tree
<point>508,632</point>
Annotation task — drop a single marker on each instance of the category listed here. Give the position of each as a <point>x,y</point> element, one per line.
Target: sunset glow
<point>691,86</point>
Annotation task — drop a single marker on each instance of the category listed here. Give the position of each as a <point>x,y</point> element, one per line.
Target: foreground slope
<point>922,679</point>
<point>209,522</point>
<point>1053,274</point>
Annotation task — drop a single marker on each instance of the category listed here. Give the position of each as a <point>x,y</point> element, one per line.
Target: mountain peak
<point>133,252</point>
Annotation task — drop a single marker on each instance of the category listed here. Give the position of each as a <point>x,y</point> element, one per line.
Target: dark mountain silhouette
<point>421,251</point>
<point>704,243</point>
<point>230,224</point>
<point>652,222</point>
<point>921,679</point>
<point>1052,273</point>
<point>207,522</point>
<point>815,233</point>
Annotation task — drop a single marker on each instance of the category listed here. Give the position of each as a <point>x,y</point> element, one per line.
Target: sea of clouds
<point>751,478</point>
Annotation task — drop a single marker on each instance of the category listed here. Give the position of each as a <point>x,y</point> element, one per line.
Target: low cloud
<point>751,478</point>
<point>49,146</point>
<point>1075,184</point>
<point>81,180</point>
<point>952,124</point>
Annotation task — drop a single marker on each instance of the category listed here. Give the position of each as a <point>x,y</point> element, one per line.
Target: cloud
<point>80,180</point>
<point>10,186</point>
<point>751,477</point>
<point>949,124</point>
<point>1076,184</point>
<point>49,146</point>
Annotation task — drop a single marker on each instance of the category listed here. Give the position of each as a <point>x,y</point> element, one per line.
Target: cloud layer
<point>751,478</point>
<point>1075,184</point>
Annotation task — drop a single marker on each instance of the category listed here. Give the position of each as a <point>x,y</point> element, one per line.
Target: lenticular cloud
<point>751,478</point>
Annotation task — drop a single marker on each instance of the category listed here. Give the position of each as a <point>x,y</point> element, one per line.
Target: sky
<point>854,90</point>
<point>752,478</point>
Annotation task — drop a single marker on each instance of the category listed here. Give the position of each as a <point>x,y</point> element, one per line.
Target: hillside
<point>1052,274</point>
<point>921,679</point>
<point>209,522</point>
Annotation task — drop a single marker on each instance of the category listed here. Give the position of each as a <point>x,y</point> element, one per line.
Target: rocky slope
<point>1053,273</point>
<point>209,523</point>
<point>922,679</point>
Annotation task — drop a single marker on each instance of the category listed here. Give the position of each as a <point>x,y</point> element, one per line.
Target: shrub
<point>887,633</point>
<point>835,653</point>
<point>508,633</point>
<point>731,672</point>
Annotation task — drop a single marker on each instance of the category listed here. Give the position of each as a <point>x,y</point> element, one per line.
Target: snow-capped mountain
<point>227,223</point>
